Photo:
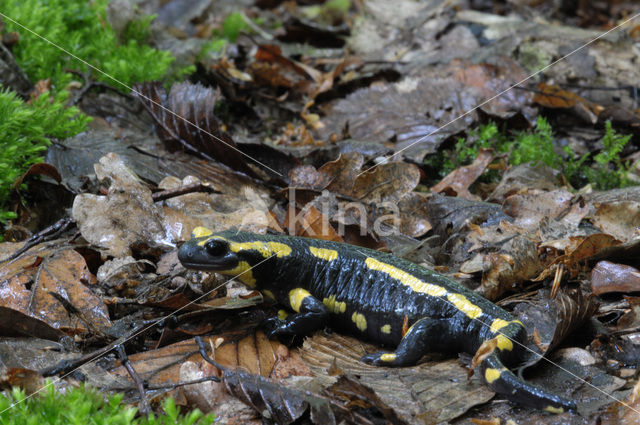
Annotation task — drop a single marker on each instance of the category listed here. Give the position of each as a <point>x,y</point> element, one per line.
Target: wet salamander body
<point>374,295</point>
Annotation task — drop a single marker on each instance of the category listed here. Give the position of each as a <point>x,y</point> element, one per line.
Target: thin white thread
<point>374,166</point>
<point>135,334</point>
<point>539,355</point>
<point>504,91</point>
<point>136,92</point>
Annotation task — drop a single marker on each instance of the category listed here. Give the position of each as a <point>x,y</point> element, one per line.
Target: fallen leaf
<point>609,277</point>
<point>552,96</point>
<point>459,180</point>
<point>432,391</point>
<point>45,293</point>
<point>386,183</point>
<point>192,122</point>
<point>619,219</point>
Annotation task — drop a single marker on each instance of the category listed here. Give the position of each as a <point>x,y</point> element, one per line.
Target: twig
<point>203,352</point>
<point>45,234</point>
<point>88,84</point>
<point>66,366</point>
<point>183,190</point>
<point>145,407</point>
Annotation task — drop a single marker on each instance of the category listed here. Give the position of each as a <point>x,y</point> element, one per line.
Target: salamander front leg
<point>311,315</point>
<point>413,345</point>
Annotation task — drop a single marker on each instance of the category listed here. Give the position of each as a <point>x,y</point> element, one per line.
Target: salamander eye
<point>216,247</point>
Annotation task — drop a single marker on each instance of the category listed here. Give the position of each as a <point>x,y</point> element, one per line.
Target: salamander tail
<point>504,382</point>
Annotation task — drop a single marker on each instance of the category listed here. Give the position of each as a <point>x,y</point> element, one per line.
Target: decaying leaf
<point>550,321</point>
<point>415,107</point>
<point>577,250</point>
<point>185,107</point>
<point>250,351</point>
<point>433,391</point>
<point>459,180</point>
<point>516,262</point>
<point>310,222</point>
<point>609,277</point>
<point>532,207</point>
<point>46,294</point>
<point>619,219</point>
<point>552,96</point>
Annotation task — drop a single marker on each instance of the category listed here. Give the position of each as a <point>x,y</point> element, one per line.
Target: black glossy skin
<point>380,298</point>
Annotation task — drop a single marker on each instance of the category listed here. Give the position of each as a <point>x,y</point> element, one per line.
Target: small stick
<point>45,234</point>
<point>183,190</point>
<point>203,352</point>
<point>145,407</point>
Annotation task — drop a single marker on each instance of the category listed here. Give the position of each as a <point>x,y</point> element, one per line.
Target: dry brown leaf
<point>311,223</point>
<point>580,248</point>
<point>611,277</point>
<point>432,392</point>
<point>192,104</point>
<point>529,209</point>
<point>459,180</point>
<point>551,321</point>
<point>45,292</point>
<point>386,182</point>
<point>552,96</point>
<point>252,352</point>
<point>343,172</point>
<point>619,219</point>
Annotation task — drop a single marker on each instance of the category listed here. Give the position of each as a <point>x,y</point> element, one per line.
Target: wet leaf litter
<point>323,121</point>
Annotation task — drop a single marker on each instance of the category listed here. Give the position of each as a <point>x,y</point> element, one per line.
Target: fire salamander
<point>374,295</point>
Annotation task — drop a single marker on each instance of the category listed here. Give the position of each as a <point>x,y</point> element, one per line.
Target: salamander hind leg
<point>413,345</point>
<point>310,315</point>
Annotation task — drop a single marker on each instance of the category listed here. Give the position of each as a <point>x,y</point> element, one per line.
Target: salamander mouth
<point>195,257</point>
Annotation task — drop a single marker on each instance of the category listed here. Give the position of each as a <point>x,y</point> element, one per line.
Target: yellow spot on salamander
<point>498,324</point>
<point>296,296</point>
<point>266,249</point>
<point>323,253</point>
<point>406,278</point>
<point>204,241</point>
<point>552,409</point>
<point>387,357</point>
<point>200,232</point>
<point>491,375</point>
<point>243,272</point>
<point>504,343</point>
<point>360,321</point>
<point>463,304</point>
<point>267,293</point>
<point>334,306</point>
<point>386,329</point>
<point>282,314</point>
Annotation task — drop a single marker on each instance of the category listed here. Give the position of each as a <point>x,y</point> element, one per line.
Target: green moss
<point>607,170</point>
<point>26,130</point>
<point>80,28</point>
<point>233,24</point>
<point>604,171</point>
<point>85,406</point>
<point>535,146</point>
<point>338,5</point>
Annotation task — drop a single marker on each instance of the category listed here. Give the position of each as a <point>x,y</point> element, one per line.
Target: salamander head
<point>208,251</point>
